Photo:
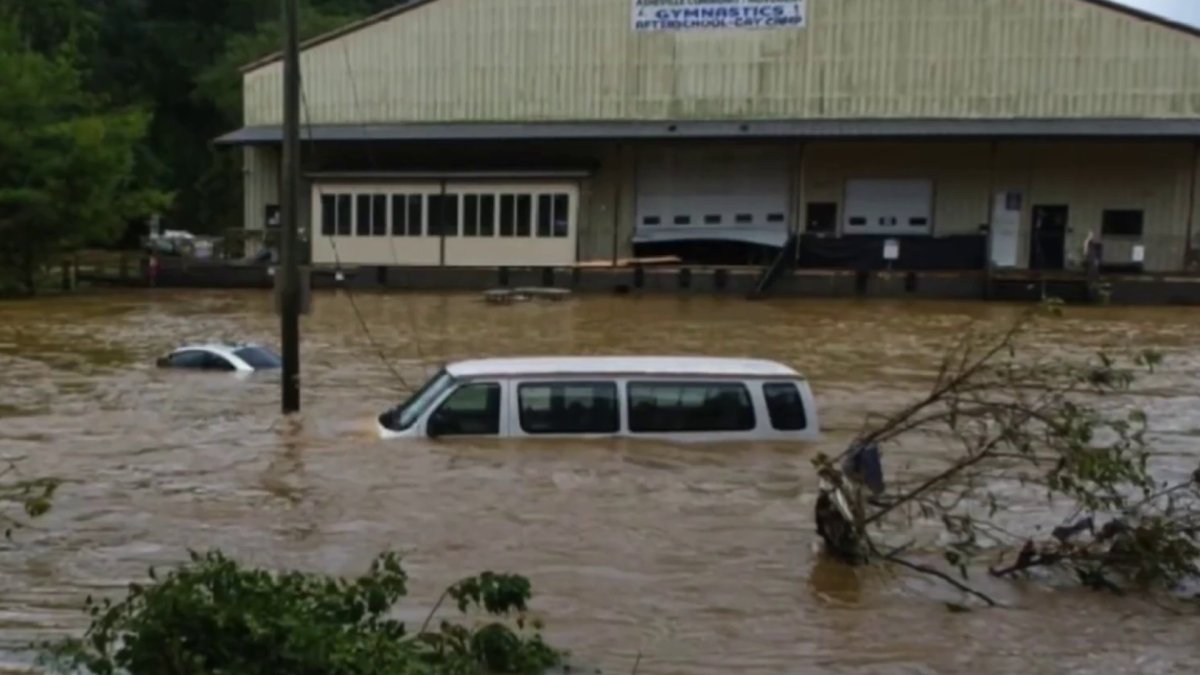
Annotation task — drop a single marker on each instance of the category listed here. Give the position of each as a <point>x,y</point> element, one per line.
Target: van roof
<point>621,365</point>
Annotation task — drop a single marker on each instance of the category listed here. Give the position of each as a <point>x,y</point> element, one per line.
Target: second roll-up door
<point>731,194</point>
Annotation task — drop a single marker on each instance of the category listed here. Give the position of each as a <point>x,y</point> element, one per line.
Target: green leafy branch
<point>214,616</point>
<point>29,498</point>
<point>1047,423</point>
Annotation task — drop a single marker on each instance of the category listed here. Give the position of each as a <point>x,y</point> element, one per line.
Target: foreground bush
<point>213,616</point>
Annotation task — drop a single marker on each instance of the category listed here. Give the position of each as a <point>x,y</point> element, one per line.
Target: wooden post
<point>289,271</point>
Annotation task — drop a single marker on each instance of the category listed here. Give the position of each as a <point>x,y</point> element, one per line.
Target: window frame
<point>328,203</point>
<point>344,221</point>
<point>380,227</point>
<point>518,408</point>
<point>804,408</point>
<point>544,215</point>
<point>1121,215</point>
<point>506,221</point>
<point>632,384</point>
<point>457,387</point>
<point>525,225</point>
<point>443,214</point>
<point>560,203</point>
<point>362,216</point>
<point>337,221</point>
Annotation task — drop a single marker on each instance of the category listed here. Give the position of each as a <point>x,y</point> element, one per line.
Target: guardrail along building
<point>552,132</point>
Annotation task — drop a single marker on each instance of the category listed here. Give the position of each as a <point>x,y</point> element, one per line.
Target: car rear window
<point>258,358</point>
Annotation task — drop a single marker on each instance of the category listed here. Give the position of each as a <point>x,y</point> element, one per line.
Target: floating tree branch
<point>1007,414</point>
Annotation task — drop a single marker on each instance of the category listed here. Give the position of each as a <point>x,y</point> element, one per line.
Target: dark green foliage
<point>32,498</point>
<point>169,71</point>
<point>66,161</point>
<point>214,616</point>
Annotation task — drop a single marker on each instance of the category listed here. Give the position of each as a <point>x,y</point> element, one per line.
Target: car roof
<point>621,365</point>
<point>218,347</point>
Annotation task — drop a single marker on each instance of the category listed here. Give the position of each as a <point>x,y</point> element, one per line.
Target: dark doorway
<point>1048,244</point>
<point>821,218</point>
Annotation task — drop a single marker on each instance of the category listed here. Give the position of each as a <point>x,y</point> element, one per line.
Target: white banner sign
<point>685,15</point>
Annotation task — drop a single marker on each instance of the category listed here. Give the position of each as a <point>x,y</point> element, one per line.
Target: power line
<point>362,322</point>
<point>375,165</point>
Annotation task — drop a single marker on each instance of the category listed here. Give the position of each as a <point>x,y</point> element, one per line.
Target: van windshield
<point>404,416</point>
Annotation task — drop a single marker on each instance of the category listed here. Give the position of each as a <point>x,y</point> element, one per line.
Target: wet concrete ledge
<point>970,285</point>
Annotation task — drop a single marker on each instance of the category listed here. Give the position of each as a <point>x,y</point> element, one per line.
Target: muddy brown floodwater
<point>701,559</point>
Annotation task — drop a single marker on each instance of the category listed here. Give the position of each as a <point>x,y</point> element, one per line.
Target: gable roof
<point>1146,16</point>
<point>402,7</point>
<point>407,5</point>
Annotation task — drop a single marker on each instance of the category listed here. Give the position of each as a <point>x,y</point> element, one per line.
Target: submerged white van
<point>668,398</point>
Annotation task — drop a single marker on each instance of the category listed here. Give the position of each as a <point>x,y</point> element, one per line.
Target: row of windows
<point>714,219</point>
<point>591,408</point>
<point>445,215</point>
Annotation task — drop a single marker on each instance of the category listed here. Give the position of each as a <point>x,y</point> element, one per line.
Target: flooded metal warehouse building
<point>952,135</point>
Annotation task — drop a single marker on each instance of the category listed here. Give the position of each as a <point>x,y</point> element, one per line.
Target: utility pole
<point>289,281</point>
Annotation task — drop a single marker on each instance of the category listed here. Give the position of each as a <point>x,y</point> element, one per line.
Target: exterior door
<point>1048,243</point>
<point>1005,232</point>
<point>821,218</point>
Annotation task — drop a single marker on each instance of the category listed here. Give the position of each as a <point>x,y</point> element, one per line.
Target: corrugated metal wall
<point>1087,177</point>
<point>260,181</point>
<point>959,171</point>
<point>473,60</point>
<point>1092,177</point>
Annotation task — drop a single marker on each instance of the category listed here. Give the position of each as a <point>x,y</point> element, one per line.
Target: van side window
<point>786,406</point>
<point>472,410</point>
<point>569,407</point>
<point>663,407</point>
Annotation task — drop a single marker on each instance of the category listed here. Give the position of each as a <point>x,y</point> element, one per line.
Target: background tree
<point>177,62</point>
<point>66,163</point>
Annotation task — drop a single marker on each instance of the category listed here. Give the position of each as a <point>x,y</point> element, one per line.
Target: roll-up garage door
<point>890,207</point>
<point>729,194</point>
